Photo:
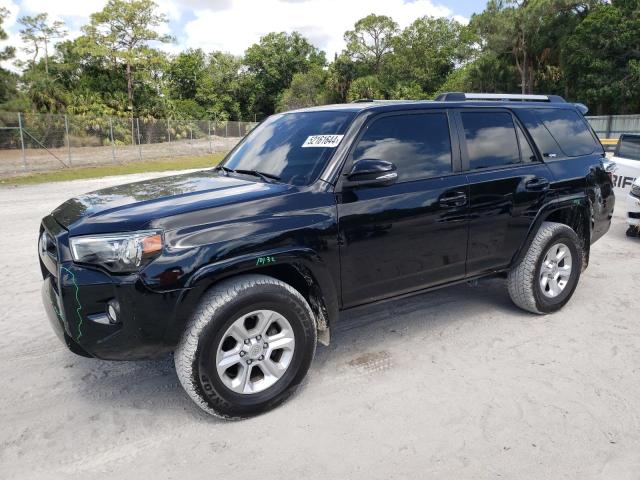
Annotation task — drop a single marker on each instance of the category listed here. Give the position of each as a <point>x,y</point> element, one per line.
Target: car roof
<point>394,105</point>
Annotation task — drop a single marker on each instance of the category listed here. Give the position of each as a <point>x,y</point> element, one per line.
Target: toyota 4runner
<point>239,270</point>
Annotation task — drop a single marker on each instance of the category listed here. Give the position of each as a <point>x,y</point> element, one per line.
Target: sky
<point>234,25</point>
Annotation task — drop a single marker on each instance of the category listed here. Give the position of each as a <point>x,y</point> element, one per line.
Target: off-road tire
<point>523,279</point>
<point>217,310</point>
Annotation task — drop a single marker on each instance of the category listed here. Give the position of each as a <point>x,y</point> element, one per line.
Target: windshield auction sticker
<point>327,141</point>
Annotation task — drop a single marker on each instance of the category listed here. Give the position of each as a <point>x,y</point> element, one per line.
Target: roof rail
<point>505,97</point>
<point>381,100</point>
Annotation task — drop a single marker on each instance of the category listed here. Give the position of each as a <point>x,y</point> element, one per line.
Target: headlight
<point>119,252</point>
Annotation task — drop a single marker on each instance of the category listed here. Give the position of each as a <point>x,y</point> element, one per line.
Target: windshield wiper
<point>224,169</point>
<point>267,177</point>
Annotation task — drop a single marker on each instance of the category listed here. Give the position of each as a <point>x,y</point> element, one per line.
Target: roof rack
<point>503,97</point>
<point>380,100</point>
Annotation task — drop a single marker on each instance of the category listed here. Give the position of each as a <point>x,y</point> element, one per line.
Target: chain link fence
<point>31,142</point>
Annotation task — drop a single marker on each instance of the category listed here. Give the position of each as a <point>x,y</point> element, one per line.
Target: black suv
<point>240,269</point>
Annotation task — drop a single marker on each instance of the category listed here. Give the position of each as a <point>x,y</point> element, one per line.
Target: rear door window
<point>490,139</point>
<point>418,144</point>
<point>629,147</point>
<point>569,129</point>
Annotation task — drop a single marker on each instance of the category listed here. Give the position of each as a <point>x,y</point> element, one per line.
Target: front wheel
<point>247,347</point>
<point>546,277</point>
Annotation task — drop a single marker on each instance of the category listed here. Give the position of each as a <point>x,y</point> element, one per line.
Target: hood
<point>140,205</point>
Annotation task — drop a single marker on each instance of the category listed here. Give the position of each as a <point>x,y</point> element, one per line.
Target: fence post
<point>139,142</point>
<point>226,129</point>
<point>66,129</point>
<point>113,142</point>
<point>609,122</point>
<point>210,149</point>
<point>169,137</point>
<point>24,154</point>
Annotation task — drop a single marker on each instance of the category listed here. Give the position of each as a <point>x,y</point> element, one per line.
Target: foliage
<point>7,79</point>
<point>38,33</point>
<point>602,57</point>
<point>274,61</point>
<point>371,40</point>
<point>306,90</point>
<point>586,50</point>
<point>369,87</point>
<point>427,51</point>
<point>121,33</point>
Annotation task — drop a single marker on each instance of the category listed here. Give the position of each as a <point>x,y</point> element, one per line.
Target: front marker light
<point>118,253</point>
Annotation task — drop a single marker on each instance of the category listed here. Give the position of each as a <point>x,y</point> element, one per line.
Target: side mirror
<point>371,173</point>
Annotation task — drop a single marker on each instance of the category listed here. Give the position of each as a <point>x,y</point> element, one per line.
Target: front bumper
<point>76,298</point>
<point>633,215</point>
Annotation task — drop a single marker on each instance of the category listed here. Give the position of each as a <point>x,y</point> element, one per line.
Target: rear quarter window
<point>569,130</point>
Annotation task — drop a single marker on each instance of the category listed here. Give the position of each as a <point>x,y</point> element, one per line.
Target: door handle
<point>453,199</point>
<point>537,184</point>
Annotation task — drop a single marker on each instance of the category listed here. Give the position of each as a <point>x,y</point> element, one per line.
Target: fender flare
<point>306,262</point>
<point>575,202</point>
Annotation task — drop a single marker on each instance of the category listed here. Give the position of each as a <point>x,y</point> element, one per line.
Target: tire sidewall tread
<point>522,281</point>
<point>209,318</point>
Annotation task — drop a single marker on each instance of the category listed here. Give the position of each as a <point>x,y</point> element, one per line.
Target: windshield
<point>293,147</point>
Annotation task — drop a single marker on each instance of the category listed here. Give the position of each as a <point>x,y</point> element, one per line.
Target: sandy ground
<point>453,384</point>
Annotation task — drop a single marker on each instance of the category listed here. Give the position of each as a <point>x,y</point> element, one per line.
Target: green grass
<point>78,173</point>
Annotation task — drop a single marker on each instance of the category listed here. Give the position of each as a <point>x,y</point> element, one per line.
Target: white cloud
<point>64,8</point>
<point>234,25</point>
<point>243,22</point>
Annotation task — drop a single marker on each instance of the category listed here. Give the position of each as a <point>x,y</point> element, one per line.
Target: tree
<point>368,87</point>
<point>7,79</point>
<point>339,77</point>
<point>603,63</point>
<point>306,90</point>
<point>522,31</point>
<point>274,61</point>
<point>220,89</point>
<point>427,51</point>
<point>121,32</point>
<point>185,72</point>
<point>371,40</point>
<point>38,33</point>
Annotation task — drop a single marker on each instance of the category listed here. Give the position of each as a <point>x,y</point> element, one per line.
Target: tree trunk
<point>129,87</point>
<point>46,58</point>
<point>525,62</point>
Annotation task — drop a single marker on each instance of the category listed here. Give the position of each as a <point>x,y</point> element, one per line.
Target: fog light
<point>113,311</point>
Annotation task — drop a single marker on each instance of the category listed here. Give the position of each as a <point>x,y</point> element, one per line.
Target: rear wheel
<point>247,347</point>
<point>546,277</point>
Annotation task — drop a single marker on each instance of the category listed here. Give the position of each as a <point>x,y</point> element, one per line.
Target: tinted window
<point>570,131</point>
<point>491,139</point>
<point>629,147</point>
<point>419,145</point>
<point>544,141</point>
<point>526,152</point>
<point>276,146</point>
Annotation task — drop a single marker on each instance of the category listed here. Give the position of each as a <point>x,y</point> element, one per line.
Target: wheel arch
<point>302,269</point>
<point>575,213</point>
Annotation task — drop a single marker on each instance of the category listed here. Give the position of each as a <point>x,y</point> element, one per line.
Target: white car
<point>633,216</point>
<point>627,160</point>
